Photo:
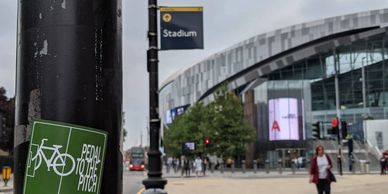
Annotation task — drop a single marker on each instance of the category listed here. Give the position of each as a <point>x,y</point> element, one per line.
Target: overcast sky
<point>226,22</point>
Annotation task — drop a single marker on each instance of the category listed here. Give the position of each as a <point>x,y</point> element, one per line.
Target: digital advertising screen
<point>188,147</point>
<point>168,117</point>
<point>283,119</point>
<point>172,114</point>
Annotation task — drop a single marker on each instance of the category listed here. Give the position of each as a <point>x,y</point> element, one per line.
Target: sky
<point>226,22</point>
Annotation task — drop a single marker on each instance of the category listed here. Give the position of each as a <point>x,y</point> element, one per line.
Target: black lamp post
<point>154,183</point>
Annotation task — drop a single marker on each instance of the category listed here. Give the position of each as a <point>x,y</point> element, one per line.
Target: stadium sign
<point>181,28</point>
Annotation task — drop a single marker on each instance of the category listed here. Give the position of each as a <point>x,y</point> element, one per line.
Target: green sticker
<point>64,159</point>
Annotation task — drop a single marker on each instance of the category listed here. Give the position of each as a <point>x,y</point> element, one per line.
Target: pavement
<point>132,183</point>
<point>347,184</point>
<point>249,174</point>
<point>250,182</point>
<point>6,189</point>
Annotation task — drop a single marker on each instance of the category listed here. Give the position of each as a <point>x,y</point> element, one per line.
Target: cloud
<point>8,21</point>
<point>226,22</point>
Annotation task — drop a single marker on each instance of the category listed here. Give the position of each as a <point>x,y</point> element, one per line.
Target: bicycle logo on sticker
<point>63,164</point>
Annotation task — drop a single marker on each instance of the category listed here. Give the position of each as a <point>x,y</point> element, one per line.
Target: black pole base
<point>154,183</point>
<point>154,191</point>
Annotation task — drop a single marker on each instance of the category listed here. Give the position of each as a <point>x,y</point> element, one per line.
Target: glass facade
<point>319,71</point>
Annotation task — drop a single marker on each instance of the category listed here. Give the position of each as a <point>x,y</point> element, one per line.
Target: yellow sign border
<point>181,9</point>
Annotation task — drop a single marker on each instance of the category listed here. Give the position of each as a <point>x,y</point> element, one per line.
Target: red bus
<point>137,159</point>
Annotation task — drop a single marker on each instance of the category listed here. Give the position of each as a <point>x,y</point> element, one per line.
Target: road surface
<point>132,181</point>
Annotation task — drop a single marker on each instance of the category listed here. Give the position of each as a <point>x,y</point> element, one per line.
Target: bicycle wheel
<point>38,160</point>
<point>63,161</point>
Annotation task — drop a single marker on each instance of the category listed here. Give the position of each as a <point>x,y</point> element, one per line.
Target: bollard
<point>367,165</point>
<point>255,166</point>
<point>293,166</point>
<point>353,167</point>
<point>243,166</point>
<point>212,166</point>
<point>221,166</point>
<point>6,174</point>
<point>267,166</point>
<point>232,166</point>
<point>339,166</point>
<point>280,166</point>
<point>351,163</point>
<point>362,166</point>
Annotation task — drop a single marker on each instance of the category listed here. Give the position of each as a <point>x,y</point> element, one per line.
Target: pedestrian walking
<point>198,166</point>
<point>169,164</point>
<point>205,164</point>
<point>383,164</point>
<point>185,166</point>
<point>175,164</point>
<point>320,172</point>
<point>295,163</point>
<point>300,162</point>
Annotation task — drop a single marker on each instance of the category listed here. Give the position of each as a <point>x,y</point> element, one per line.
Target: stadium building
<point>293,77</point>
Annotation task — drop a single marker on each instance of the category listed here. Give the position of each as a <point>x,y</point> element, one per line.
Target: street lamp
<point>363,86</point>
<point>365,115</point>
<point>154,184</point>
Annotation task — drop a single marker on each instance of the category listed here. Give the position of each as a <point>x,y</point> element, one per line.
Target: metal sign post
<point>182,28</point>
<point>338,110</point>
<point>154,183</point>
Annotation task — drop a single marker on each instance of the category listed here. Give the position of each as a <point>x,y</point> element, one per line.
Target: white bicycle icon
<point>57,161</point>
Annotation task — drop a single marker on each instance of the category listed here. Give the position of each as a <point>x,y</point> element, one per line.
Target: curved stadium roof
<point>264,53</point>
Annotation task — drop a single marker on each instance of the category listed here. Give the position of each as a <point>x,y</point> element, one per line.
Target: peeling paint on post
<point>69,69</point>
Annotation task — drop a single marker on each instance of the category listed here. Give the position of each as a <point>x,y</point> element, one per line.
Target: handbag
<point>331,176</point>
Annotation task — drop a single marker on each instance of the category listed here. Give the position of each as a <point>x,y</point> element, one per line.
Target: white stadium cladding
<point>260,55</point>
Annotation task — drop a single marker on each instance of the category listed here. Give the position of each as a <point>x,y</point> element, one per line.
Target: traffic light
<point>207,142</point>
<point>334,126</point>
<point>316,130</point>
<point>344,128</point>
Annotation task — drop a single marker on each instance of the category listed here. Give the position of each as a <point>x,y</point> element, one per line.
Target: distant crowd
<point>187,165</point>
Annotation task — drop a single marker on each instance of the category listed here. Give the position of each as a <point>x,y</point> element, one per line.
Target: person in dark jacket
<point>320,172</point>
<point>383,164</point>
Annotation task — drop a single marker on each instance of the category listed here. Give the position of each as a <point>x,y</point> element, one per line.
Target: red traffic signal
<point>334,123</point>
<point>207,141</point>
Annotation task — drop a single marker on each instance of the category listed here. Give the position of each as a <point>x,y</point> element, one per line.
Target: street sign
<point>64,159</point>
<point>181,28</point>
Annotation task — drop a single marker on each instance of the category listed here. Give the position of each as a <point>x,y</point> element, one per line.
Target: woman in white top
<point>198,166</point>
<point>320,170</point>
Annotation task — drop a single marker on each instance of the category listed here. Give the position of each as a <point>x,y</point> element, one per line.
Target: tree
<point>222,122</point>
<point>186,128</point>
<point>7,111</point>
<point>226,124</point>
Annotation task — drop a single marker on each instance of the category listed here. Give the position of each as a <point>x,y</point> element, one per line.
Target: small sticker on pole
<point>64,159</point>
